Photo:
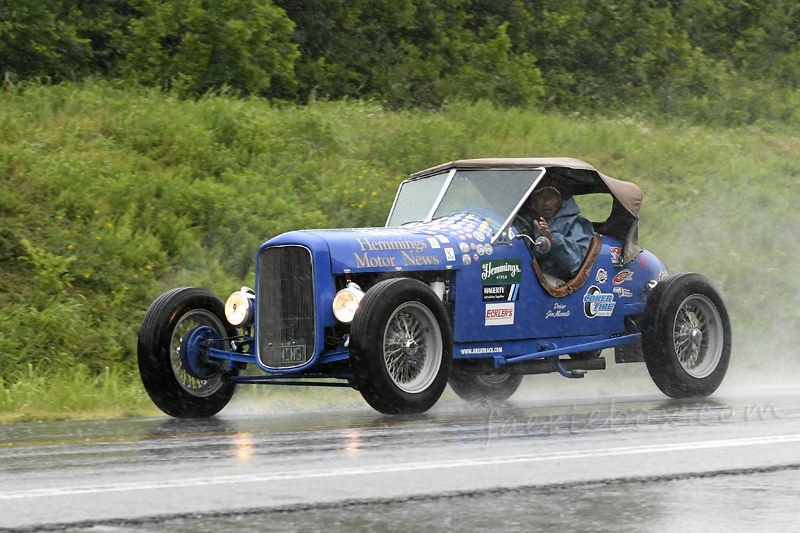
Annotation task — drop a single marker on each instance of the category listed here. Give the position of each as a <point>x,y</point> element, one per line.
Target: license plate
<point>294,353</point>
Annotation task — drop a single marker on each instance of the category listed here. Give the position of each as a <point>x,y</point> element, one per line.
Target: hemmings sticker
<point>622,292</point>
<point>499,314</point>
<point>623,276</point>
<point>597,303</point>
<point>493,293</point>
<point>494,272</point>
<point>602,276</point>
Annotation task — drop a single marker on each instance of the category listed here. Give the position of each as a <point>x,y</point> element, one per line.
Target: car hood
<point>437,245</point>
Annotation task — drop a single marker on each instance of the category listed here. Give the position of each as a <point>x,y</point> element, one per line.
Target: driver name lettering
<point>558,311</point>
<point>495,272</point>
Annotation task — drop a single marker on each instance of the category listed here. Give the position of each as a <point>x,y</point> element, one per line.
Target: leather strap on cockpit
<point>583,272</point>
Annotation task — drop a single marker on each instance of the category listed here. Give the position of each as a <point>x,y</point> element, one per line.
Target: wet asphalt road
<point>629,463</point>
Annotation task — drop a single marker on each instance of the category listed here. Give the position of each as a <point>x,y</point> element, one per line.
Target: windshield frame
<point>504,234</point>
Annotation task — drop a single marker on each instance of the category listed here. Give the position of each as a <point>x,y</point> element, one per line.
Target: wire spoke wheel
<point>412,347</point>
<point>697,336</point>
<point>188,322</point>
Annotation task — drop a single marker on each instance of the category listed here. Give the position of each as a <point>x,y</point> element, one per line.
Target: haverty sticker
<point>500,271</point>
<point>499,314</point>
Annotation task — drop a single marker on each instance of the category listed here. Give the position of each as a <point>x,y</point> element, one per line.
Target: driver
<point>559,221</point>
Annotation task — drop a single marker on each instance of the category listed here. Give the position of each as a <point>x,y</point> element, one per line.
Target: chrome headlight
<point>345,303</point>
<point>239,307</point>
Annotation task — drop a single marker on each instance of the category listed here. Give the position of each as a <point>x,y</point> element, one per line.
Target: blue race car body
<point>447,291</point>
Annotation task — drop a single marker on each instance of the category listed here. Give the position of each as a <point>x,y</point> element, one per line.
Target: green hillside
<point>110,195</point>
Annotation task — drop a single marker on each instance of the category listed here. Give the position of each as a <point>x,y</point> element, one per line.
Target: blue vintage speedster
<point>447,291</point>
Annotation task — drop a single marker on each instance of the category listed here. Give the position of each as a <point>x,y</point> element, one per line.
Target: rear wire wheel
<point>686,338</point>
<point>484,387</point>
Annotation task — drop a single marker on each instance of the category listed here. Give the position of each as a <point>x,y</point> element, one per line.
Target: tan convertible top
<point>578,177</point>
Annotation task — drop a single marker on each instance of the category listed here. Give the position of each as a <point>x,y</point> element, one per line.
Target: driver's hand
<point>544,230</point>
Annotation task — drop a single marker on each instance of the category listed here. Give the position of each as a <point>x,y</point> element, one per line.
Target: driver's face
<point>547,202</point>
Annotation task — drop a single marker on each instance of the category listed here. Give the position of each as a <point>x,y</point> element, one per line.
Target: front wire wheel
<point>412,347</point>
<point>401,345</point>
<point>171,317</point>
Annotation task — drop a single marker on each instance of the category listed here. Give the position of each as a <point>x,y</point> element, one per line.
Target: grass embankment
<point>109,196</point>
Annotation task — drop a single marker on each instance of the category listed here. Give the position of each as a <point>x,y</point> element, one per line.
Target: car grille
<point>285,314</point>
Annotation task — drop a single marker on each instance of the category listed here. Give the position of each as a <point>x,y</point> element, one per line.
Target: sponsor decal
<point>478,351</point>
<point>602,276</point>
<point>443,239</point>
<point>616,255</point>
<point>494,272</point>
<point>462,237</point>
<point>480,249</point>
<point>499,314</point>
<point>622,292</point>
<point>643,260</point>
<point>558,311</point>
<point>473,246</point>
<point>488,249</point>
<point>469,235</point>
<point>478,236</point>
<point>598,303</point>
<point>623,276</point>
<point>449,253</point>
<point>454,226</point>
<point>476,257</point>
<point>662,275</point>
<point>497,293</point>
<point>433,242</point>
<point>465,259</point>
<point>464,247</point>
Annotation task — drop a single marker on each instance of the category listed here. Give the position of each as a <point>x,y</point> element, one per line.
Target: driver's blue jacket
<point>573,234</point>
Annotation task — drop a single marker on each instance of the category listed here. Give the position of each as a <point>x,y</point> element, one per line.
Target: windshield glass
<point>415,199</point>
<point>490,194</point>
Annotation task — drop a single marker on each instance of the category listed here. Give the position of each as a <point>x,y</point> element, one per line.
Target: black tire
<point>588,354</point>
<point>484,387</point>
<point>686,336</point>
<point>405,318</point>
<point>172,389</point>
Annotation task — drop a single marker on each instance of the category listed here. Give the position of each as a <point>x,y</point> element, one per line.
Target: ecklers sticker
<point>623,276</point>
<point>449,253</point>
<point>602,276</point>
<point>494,272</point>
<point>499,293</point>
<point>499,314</point>
<point>598,303</point>
<point>616,255</point>
<point>433,242</point>
<point>622,292</point>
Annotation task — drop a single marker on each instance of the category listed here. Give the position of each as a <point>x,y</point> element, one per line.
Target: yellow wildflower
<point>374,193</point>
<point>110,225</point>
<point>361,189</point>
